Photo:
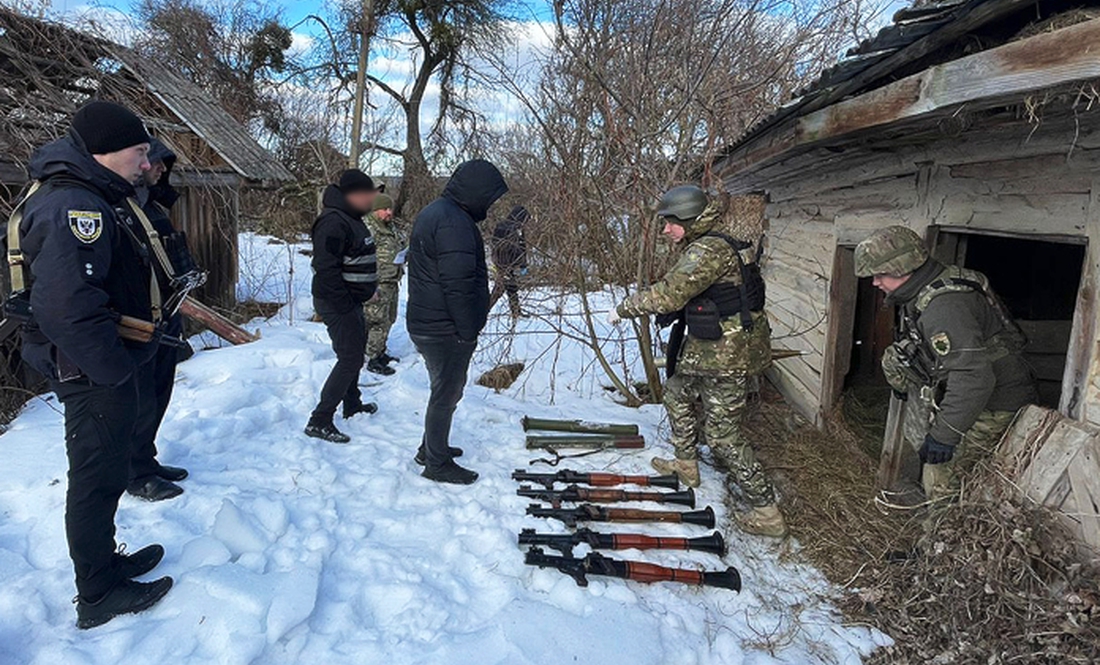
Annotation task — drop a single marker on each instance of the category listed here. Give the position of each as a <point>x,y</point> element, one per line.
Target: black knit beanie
<point>108,127</point>
<point>354,180</point>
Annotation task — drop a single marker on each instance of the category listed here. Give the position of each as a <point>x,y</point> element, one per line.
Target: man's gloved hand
<point>934,452</point>
<point>613,317</point>
<point>666,320</point>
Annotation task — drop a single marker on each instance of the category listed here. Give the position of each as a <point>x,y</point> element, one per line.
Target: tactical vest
<point>914,353</point>
<point>726,299</point>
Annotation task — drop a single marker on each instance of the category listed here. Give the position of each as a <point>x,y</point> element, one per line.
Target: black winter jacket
<point>157,201</point>
<point>509,245</point>
<point>345,271</point>
<point>448,278</point>
<point>89,259</point>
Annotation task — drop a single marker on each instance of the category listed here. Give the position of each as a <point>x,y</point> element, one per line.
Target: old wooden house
<point>977,124</point>
<point>48,70</point>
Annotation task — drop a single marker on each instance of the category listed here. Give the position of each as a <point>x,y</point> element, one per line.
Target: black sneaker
<point>377,366</point>
<point>172,473</point>
<point>140,562</point>
<point>327,432</point>
<point>153,488</point>
<point>127,597</point>
<point>422,454</point>
<point>356,409</point>
<point>451,473</point>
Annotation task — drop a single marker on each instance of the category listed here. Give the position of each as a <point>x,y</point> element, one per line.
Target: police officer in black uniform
<point>89,264</point>
<point>345,275</point>
<point>149,479</point>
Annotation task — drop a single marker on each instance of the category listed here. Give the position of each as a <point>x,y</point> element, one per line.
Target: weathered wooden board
<point>893,446</point>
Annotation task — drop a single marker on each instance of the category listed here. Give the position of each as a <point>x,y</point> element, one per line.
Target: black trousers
<point>348,332</point>
<point>448,361</point>
<point>154,387</point>
<point>99,428</point>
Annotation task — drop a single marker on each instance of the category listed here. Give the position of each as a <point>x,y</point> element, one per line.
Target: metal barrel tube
<point>591,441</point>
<point>577,427</point>
<point>704,517</point>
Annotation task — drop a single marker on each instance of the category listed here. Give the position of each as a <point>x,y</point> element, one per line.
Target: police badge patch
<point>941,343</point>
<point>86,225</point>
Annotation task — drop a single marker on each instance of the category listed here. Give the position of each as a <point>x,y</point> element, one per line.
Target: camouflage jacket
<point>707,260</point>
<point>955,349</point>
<point>389,243</point>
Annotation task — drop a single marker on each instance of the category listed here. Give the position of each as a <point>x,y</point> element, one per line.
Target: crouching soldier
<point>717,284</point>
<point>89,265</point>
<point>956,349</point>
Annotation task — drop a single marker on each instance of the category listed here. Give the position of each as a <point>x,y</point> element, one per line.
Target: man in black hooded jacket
<point>149,479</point>
<point>88,264</point>
<point>345,275</point>
<point>449,303</point>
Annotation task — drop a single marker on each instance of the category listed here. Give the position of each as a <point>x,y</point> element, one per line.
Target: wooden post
<point>366,27</point>
<point>893,446</point>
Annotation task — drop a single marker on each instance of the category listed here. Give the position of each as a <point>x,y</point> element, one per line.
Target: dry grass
<point>996,582</point>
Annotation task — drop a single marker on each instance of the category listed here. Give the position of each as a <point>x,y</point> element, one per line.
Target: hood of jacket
<point>333,198</point>
<point>163,192</point>
<point>68,157</point>
<point>475,186</point>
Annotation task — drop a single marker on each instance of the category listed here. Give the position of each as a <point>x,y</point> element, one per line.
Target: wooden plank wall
<point>1000,174</point>
<point>209,216</point>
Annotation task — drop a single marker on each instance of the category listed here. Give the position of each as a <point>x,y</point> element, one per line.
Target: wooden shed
<point>977,124</point>
<point>48,70</point>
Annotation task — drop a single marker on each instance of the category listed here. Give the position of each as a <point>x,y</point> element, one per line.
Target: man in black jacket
<point>510,258</point>
<point>88,264</point>
<point>449,303</point>
<point>149,479</point>
<point>345,275</point>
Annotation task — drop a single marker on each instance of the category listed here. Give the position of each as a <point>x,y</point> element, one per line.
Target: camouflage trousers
<point>723,400</point>
<point>381,314</point>
<point>941,481</point>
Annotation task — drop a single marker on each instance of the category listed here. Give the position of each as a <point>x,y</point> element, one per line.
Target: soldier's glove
<point>900,396</point>
<point>934,452</point>
<point>666,320</point>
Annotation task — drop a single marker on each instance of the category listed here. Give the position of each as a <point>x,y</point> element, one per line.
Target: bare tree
<point>636,97</point>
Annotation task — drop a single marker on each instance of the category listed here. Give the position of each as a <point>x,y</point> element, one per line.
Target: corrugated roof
<point>915,32</point>
<point>205,117</point>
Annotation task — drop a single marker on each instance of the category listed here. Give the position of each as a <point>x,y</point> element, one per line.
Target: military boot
<point>686,469</point>
<point>763,521</point>
<point>378,366</point>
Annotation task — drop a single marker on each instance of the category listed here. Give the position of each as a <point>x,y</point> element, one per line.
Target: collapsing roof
<point>936,57</point>
<point>47,71</point>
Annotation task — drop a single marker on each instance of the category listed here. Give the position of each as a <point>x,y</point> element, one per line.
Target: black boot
<point>378,366</point>
<point>422,454</point>
<point>326,431</point>
<point>388,359</point>
<point>172,473</point>
<point>451,473</point>
<point>127,597</point>
<point>140,562</point>
<point>153,488</point>
<point>351,410</point>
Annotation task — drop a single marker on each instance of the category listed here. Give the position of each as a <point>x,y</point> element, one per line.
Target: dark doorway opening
<point>874,331</point>
<point>1038,281</point>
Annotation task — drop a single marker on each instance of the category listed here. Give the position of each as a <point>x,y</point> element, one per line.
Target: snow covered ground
<point>289,550</point>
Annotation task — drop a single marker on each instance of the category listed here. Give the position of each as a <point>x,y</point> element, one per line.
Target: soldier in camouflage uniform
<point>717,285</point>
<point>956,350</point>
<point>381,312</point>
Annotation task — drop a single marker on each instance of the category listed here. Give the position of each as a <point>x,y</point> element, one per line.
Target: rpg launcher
<point>597,564</point>
<point>569,476</point>
<point>574,494</point>
<point>587,512</point>
<point>588,441</point>
<point>565,542</point>
<point>577,427</point>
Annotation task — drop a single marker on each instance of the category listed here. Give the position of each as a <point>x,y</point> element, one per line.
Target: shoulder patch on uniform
<point>941,344</point>
<point>86,225</point>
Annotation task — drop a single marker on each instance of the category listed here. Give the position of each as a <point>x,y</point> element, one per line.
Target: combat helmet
<point>894,250</point>
<point>684,203</point>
